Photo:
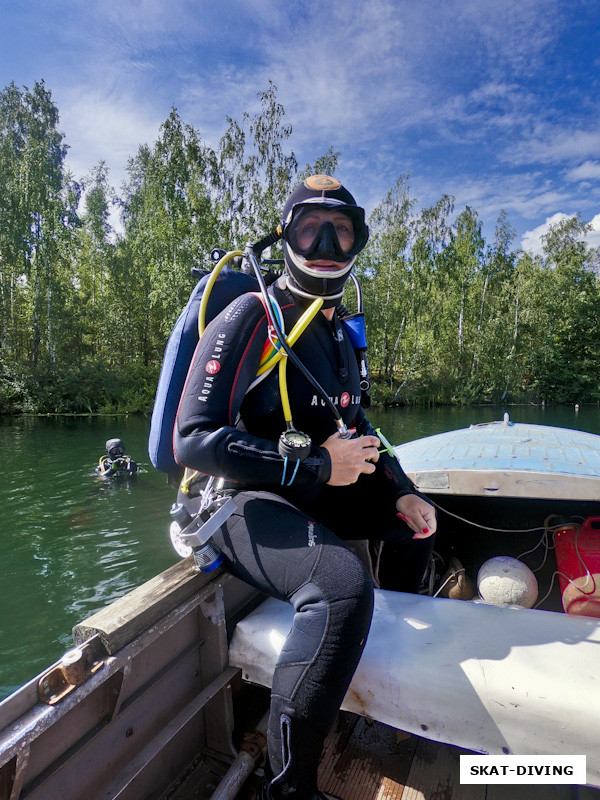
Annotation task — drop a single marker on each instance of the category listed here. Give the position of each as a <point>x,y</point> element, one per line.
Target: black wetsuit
<point>286,537</point>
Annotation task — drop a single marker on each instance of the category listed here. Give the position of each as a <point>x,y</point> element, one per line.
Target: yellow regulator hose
<point>208,289</point>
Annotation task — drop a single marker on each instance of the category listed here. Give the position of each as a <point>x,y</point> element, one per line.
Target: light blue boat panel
<point>497,446</point>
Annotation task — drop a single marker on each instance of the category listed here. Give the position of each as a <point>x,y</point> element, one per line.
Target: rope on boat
<point>546,529</point>
<point>487,527</point>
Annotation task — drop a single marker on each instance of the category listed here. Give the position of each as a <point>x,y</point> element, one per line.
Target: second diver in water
<point>115,464</point>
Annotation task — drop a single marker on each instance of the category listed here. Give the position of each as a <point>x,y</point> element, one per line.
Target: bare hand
<point>418,514</point>
<point>351,458</point>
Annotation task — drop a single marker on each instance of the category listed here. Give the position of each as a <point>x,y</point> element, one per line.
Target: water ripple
<point>71,543</point>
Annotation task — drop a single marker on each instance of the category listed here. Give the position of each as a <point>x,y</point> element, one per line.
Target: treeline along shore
<point>86,310</point>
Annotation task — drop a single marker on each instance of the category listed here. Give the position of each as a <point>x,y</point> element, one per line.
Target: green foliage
<point>90,389</point>
<point>254,171</point>
<point>85,312</point>
<point>12,392</point>
<point>456,320</point>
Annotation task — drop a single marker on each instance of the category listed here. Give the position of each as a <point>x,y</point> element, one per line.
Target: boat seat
<point>488,679</point>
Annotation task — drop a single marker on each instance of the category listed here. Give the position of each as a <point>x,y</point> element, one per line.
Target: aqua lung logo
<point>212,367</point>
<point>312,537</point>
<point>344,400</point>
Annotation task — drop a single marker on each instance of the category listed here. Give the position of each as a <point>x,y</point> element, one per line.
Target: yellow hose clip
<point>189,476</point>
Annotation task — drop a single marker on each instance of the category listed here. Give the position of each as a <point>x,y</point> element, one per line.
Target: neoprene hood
<point>321,191</point>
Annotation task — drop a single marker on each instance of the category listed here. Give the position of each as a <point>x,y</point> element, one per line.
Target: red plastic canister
<point>577,548</point>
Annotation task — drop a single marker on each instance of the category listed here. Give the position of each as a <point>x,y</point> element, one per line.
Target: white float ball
<point>505,581</point>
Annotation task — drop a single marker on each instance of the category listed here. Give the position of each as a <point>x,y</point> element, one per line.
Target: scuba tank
<point>178,357</point>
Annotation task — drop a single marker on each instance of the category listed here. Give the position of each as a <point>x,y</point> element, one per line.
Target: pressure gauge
<point>294,444</point>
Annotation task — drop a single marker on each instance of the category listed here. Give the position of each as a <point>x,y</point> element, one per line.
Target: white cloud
<point>551,144</point>
<point>479,116</point>
<point>140,25</point>
<point>593,237</point>
<point>345,79</point>
<point>589,170</point>
<point>515,33</point>
<point>525,195</point>
<point>105,126</point>
<point>532,240</point>
<point>394,66</point>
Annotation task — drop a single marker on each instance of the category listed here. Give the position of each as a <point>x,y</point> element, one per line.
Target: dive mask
<point>337,236</point>
<point>324,238</point>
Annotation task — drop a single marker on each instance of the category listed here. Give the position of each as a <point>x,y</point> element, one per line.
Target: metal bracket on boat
<point>213,607</point>
<point>72,670</point>
<point>208,522</point>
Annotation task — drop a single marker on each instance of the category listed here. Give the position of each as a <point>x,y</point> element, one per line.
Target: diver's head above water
<point>323,230</point>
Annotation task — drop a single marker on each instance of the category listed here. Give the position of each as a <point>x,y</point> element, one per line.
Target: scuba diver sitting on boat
<point>297,503</point>
<point>115,464</point>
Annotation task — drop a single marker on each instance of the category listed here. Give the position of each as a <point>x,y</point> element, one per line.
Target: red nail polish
<point>425,530</point>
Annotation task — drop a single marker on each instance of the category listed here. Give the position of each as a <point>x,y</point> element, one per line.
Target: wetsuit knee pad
<point>342,576</point>
<point>334,610</point>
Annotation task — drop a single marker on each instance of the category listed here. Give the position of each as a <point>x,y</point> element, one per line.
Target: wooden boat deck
<point>366,760</point>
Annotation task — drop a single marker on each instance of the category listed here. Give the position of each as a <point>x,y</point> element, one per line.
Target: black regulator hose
<point>250,253</point>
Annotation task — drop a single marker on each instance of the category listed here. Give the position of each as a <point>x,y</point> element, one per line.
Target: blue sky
<point>496,103</point>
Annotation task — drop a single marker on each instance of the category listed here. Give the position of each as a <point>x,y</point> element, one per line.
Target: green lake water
<point>72,543</point>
